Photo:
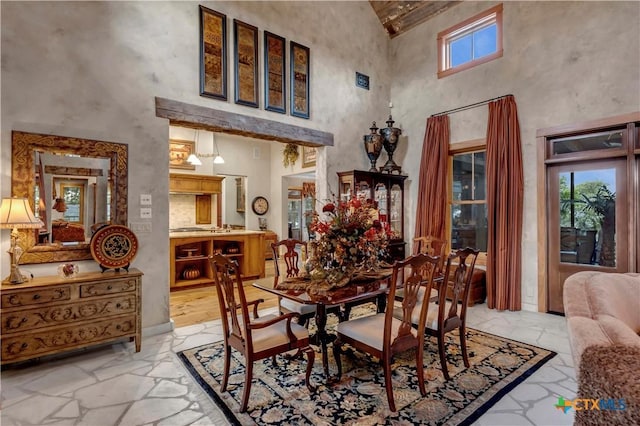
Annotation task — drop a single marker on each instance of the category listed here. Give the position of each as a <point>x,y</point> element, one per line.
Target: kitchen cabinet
<point>189,255</point>
<point>269,238</point>
<point>48,315</point>
<point>195,184</point>
<point>388,191</point>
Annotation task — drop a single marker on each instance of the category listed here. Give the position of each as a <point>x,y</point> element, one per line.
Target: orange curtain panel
<point>504,206</point>
<point>431,207</point>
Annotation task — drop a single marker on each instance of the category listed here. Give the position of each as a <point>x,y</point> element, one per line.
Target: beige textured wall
<point>565,62</point>
<point>93,69</point>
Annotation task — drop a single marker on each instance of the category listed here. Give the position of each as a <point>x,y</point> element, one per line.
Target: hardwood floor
<point>196,305</point>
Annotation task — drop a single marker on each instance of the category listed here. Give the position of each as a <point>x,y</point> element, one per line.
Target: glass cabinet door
<point>363,190</point>
<point>395,210</point>
<point>381,197</point>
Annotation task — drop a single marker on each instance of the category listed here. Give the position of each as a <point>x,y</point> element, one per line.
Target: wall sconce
<point>195,157</point>
<point>15,213</point>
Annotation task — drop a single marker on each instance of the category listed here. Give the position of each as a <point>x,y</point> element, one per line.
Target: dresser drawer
<point>70,337</point>
<point>31,319</point>
<point>36,296</point>
<point>111,287</point>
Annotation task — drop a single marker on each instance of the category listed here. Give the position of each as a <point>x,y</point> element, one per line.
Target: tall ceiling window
<point>472,42</point>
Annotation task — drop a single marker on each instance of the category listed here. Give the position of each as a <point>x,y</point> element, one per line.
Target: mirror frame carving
<point>23,148</point>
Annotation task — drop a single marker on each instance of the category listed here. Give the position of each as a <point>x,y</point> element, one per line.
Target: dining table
<point>361,288</point>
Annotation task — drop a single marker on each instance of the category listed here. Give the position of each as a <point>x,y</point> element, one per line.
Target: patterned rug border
<point>470,419</point>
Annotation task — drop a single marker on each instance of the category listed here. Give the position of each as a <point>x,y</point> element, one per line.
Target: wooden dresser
<point>48,315</point>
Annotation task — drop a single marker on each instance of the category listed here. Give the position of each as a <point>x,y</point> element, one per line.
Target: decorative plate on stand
<point>114,247</point>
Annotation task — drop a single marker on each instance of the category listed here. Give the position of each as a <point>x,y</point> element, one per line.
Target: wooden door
<point>587,221</point>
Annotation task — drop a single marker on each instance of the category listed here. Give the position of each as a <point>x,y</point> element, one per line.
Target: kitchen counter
<point>190,248</point>
<point>211,233</point>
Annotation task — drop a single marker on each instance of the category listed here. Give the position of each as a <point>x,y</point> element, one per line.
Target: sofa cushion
<point>574,292</point>
<point>584,332</point>
<point>616,295</point>
<point>617,331</point>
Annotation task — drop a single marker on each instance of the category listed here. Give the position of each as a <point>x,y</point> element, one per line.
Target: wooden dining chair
<point>256,338</point>
<point>382,335</point>
<point>448,315</point>
<point>291,259</point>
<point>432,246</point>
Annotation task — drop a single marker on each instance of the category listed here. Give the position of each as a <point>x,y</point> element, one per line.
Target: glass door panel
<point>381,197</point>
<point>588,217</point>
<point>395,210</point>
<point>295,214</point>
<point>363,191</point>
<point>588,221</point>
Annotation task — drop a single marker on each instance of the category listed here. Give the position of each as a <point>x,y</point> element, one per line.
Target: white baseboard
<point>167,327</point>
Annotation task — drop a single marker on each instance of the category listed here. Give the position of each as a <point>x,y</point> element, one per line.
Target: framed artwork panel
<point>274,73</point>
<point>308,156</point>
<point>179,151</point>
<point>299,80</point>
<point>213,54</point>
<point>246,63</point>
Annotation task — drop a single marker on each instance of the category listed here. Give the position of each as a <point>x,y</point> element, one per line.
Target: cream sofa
<point>603,320</point>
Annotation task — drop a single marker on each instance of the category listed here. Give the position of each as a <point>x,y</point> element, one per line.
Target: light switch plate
<point>141,227</point>
<point>145,199</point>
<point>145,213</point>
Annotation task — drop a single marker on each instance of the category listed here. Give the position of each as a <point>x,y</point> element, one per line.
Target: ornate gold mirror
<point>78,183</point>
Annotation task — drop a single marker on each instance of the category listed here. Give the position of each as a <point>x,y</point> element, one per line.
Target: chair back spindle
<point>291,257</point>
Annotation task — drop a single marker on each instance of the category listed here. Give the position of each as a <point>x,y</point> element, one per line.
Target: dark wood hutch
<point>388,190</point>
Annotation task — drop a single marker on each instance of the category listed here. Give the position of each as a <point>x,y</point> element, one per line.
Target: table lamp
<point>15,213</point>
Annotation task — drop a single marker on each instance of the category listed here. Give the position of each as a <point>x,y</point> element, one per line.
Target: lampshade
<point>16,213</point>
<point>194,159</point>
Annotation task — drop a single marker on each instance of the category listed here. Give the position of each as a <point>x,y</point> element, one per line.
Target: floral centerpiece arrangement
<point>350,238</point>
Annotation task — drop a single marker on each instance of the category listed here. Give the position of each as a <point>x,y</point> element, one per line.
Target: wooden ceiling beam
<point>215,120</point>
<point>398,17</point>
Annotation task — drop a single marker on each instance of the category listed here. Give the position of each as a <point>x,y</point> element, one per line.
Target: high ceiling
<point>398,17</point>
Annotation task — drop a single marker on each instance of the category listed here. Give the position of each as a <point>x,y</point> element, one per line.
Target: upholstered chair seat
<point>274,335</point>
<point>432,314</point>
<point>367,330</point>
<point>287,305</point>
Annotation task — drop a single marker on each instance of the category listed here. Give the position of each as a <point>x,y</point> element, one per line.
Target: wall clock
<point>260,205</point>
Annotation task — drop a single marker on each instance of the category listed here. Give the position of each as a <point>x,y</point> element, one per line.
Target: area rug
<point>278,395</point>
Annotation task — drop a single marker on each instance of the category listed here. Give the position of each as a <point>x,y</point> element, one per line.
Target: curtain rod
<point>470,106</point>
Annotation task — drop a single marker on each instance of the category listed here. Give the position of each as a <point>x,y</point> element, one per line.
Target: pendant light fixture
<point>194,158</point>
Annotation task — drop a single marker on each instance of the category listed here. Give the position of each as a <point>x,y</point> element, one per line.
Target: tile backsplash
<point>182,210</point>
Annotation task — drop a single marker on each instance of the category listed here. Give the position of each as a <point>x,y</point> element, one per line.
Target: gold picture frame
<point>179,151</point>
<point>308,156</point>
<point>247,76</point>
<point>213,54</point>
<point>275,94</point>
<point>300,58</point>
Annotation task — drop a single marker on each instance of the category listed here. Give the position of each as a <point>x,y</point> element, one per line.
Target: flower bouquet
<point>350,239</point>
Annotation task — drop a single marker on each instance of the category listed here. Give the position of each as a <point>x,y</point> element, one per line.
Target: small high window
<point>472,42</point>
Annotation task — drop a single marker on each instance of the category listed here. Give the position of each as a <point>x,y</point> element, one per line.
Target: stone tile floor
<point>113,385</point>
